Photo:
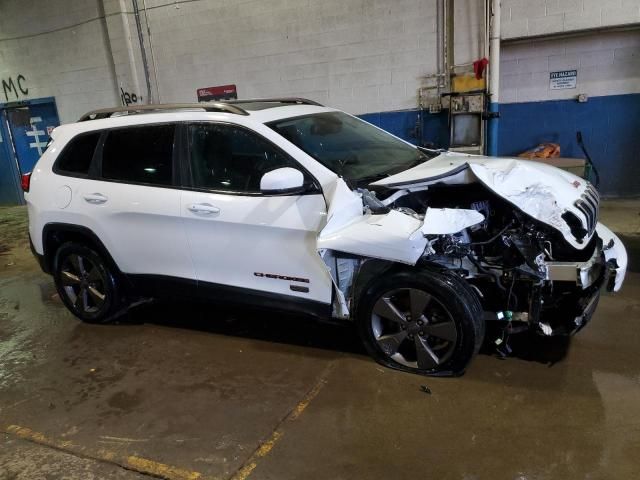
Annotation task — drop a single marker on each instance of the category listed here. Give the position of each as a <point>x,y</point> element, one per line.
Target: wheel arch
<point>55,235</point>
<point>370,270</point>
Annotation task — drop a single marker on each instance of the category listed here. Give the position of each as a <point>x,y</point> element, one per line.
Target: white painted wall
<point>607,64</point>
<point>69,63</point>
<point>525,18</point>
<point>359,55</point>
<point>469,31</point>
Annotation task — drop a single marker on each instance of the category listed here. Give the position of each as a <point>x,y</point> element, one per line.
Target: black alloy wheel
<point>85,283</point>
<point>421,321</point>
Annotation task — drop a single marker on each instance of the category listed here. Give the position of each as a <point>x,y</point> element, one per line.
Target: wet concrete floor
<point>196,391</point>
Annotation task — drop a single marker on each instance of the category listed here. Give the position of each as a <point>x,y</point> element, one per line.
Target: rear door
<point>132,201</point>
<point>240,237</point>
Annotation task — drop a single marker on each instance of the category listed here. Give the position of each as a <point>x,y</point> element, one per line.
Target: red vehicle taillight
<point>26,182</point>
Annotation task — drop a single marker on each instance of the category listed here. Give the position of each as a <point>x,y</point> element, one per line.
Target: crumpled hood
<point>539,190</point>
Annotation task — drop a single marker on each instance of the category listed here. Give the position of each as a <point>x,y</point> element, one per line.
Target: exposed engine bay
<point>528,274</point>
<point>504,256</point>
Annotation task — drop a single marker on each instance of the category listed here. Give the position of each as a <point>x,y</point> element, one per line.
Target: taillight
<point>26,182</point>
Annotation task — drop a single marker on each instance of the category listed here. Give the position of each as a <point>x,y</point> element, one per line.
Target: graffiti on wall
<point>129,98</point>
<point>14,87</point>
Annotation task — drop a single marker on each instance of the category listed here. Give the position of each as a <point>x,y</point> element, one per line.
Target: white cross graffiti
<point>35,133</point>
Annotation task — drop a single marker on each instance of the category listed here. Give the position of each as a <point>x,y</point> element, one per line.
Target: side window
<point>75,158</point>
<point>227,158</point>
<point>139,155</point>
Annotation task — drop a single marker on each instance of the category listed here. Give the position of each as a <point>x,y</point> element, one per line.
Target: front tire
<point>426,322</point>
<point>85,283</point>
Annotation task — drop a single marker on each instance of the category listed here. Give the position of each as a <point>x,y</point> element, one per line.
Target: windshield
<point>350,147</point>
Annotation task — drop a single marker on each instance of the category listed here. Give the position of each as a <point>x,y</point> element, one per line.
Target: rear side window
<point>139,155</point>
<point>76,157</point>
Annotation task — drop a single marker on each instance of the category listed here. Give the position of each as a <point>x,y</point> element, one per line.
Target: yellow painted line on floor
<point>302,405</point>
<point>262,451</point>
<point>132,462</point>
<point>265,448</point>
<point>160,469</point>
<point>244,472</point>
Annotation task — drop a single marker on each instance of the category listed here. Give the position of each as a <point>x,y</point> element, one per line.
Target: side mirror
<point>282,180</point>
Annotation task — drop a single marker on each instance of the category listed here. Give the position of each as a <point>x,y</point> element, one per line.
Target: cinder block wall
<point>361,56</point>
<point>60,50</point>
<point>528,18</point>
<point>608,72</point>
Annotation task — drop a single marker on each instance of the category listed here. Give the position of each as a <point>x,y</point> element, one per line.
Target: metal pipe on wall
<point>494,78</point>
<point>449,44</point>
<point>145,64</point>
<point>440,46</point>
<point>153,57</point>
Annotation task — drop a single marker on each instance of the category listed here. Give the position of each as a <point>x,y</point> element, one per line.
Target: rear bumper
<point>40,258</point>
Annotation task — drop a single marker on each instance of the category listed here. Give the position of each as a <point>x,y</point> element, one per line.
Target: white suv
<point>286,204</point>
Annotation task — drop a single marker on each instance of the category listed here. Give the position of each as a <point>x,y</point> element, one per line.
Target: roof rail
<point>295,100</point>
<point>136,109</point>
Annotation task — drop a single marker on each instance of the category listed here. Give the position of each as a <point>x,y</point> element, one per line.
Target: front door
<point>240,237</point>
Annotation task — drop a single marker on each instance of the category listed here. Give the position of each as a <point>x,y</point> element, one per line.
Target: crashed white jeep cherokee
<point>286,204</point>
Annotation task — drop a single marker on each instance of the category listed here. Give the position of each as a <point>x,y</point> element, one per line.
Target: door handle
<point>95,198</point>
<point>203,208</point>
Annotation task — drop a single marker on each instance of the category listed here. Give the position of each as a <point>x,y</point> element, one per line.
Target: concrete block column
<point>126,51</point>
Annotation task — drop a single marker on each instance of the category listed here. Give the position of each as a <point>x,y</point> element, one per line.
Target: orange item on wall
<point>544,150</point>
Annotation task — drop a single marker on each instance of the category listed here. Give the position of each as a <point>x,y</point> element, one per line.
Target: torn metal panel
<point>340,303</point>
<point>614,253</point>
<point>388,237</point>
<point>447,221</point>
<point>541,191</point>
<point>437,170</point>
<point>345,206</point>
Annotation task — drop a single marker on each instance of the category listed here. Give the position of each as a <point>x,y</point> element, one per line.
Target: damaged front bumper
<point>605,270</point>
<point>607,265</point>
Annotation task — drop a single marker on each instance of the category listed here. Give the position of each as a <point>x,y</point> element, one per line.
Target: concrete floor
<point>193,391</point>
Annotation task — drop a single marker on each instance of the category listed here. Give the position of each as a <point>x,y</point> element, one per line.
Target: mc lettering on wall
<point>14,88</point>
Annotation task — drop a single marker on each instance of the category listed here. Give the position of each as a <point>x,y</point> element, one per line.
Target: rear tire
<point>421,321</point>
<point>85,283</point>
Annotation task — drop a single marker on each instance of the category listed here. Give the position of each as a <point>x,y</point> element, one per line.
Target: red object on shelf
<point>479,66</point>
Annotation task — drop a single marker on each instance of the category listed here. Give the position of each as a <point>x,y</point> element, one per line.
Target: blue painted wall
<point>610,127</point>
<point>420,128</point>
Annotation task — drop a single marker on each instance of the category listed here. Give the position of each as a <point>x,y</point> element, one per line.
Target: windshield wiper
<point>371,178</point>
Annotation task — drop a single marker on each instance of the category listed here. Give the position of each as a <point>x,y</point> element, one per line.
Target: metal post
<point>494,78</point>
<point>449,44</point>
<point>145,64</point>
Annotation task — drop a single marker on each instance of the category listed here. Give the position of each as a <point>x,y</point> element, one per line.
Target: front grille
<point>589,206</point>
